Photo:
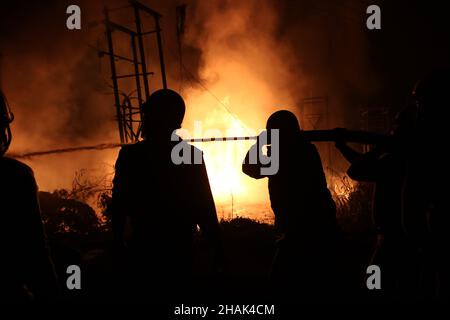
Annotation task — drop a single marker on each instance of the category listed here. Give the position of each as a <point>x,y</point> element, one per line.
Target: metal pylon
<point>128,109</point>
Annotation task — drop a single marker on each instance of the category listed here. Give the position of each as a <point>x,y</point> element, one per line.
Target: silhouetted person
<point>164,202</point>
<point>26,268</point>
<point>425,202</point>
<point>385,165</point>
<point>304,210</point>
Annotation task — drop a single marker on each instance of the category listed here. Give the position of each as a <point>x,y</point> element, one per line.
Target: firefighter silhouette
<point>163,202</point>
<point>385,165</point>
<point>304,209</point>
<point>26,268</point>
<point>425,209</point>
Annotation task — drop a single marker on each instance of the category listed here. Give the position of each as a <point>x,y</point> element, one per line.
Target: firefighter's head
<point>163,113</point>
<point>286,122</point>
<point>6,117</point>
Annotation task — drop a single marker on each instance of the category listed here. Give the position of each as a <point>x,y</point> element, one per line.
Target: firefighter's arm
<point>252,163</point>
<point>350,154</point>
<point>362,166</point>
<point>367,167</point>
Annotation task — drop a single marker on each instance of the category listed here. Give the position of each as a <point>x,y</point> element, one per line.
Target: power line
<point>215,97</point>
<point>197,80</point>
<point>355,136</point>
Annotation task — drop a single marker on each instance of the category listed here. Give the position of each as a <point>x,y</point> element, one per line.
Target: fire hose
<point>354,136</point>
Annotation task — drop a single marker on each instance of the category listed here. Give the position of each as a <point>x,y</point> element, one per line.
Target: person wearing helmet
<point>425,209</point>
<point>164,202</point>
<point>304,209</point>
<point>26,267</point>
<point>385,165</point>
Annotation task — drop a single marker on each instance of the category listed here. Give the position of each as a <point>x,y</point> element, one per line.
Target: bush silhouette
<point>62,214</point>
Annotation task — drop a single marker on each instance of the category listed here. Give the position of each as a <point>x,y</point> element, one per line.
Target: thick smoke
<point>241,60</point>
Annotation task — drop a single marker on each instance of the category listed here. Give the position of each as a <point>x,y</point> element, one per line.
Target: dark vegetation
<point>79,235</point>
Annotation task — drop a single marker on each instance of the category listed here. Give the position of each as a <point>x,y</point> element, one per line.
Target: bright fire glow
<point>233,191</point>
<point>247,72</point>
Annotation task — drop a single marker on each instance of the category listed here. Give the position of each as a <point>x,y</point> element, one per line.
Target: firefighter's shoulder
<point>132,148</point>
<point>11,166</point>
<point>183,152</point>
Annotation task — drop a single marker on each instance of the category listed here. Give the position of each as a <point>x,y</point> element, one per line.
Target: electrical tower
<point>128,106</point>
<point>314,113</point>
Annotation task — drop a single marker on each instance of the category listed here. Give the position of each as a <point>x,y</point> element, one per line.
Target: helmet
<point>163,111</point>
<point>285,121</point>
<point>6,117</point>
<point>287,124</point>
